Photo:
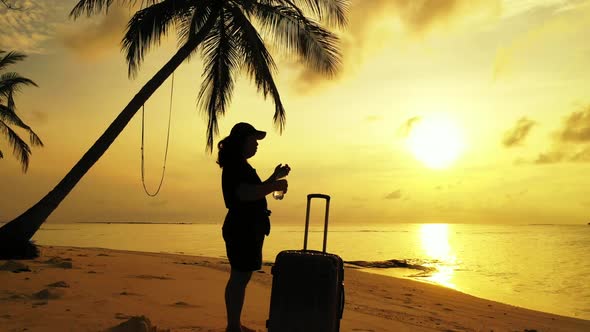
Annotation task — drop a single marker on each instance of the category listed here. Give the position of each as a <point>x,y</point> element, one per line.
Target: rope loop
<point>167,143</point>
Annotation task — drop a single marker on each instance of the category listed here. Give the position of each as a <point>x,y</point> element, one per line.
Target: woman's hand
<point>281,171</point>
<point>280,185</point>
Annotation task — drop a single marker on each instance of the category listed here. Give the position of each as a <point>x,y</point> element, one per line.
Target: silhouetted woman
<point>247,221</point>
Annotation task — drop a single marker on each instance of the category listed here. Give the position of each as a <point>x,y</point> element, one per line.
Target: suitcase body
<point>307,287</point>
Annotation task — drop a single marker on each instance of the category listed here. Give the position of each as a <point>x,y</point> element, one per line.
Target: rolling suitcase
<point>307,287</point>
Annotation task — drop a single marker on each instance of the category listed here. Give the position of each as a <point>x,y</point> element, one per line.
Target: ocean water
<point>540,267</point>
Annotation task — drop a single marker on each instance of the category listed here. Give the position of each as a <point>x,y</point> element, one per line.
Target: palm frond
<point>258,61</point>
<point>333,12</point>
<point>20,149</point>
<point>194,20</point>
<point>317,46</point>
<point>1,155</point>
<point>10,83</point>
<point>8,116</point>
<point>92,7</point>
<point>147,27</point>
<point>10,58</point>
<point>34,138</point>
<point>221,60</point>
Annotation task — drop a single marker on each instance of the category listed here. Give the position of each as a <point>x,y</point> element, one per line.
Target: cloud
<point>550,157</point>
<point>516,7</point>
<point>406,128</point>
<point>549,23</point>
<point>376,24</point>
<point>39,117</point>
<point>576,128</point>
<point>397,194</point>
<point>581,156</point>
<point>366,18</point>
<point>571,142</point>
<point>518,133</point>
<point>38,24</point>
<point>27,29</point>
<point>98,37</point>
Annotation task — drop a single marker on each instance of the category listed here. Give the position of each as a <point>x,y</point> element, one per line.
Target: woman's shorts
<point>244,250</point>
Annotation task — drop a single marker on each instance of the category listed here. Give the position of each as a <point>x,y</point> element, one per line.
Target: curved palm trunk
<point>19,231</point>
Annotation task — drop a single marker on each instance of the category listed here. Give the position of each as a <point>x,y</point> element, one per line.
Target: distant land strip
<point>142,222</point>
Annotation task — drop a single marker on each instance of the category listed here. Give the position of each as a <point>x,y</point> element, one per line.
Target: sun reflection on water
<point>435,243</point>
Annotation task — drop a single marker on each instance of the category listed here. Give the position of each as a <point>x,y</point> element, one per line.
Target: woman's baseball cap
<point>243,130</point>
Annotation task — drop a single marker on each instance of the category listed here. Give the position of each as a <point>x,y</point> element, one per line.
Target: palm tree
<point>8,5</point>
<point>229,35</point>
<point>10,83</point>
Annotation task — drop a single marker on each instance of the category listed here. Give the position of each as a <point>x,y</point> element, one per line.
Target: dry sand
<point>91,289</point>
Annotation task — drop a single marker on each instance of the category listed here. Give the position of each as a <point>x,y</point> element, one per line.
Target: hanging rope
<point>166,150</point>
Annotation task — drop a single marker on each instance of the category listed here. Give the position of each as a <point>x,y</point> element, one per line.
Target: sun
<point>435,141</point>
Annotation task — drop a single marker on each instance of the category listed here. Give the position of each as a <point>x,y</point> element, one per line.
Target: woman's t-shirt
<point>243,215</point>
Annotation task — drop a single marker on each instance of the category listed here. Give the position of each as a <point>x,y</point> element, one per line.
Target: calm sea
<point>541,267</point>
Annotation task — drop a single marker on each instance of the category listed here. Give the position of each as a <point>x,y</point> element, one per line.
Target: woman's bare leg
<point>235,291</point>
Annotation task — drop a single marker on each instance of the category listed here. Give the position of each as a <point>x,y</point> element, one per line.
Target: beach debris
<point>197,263</point>
<point>61,284</point>
<point>182,304</point>
<point>15,267</point>
<point>18,297</point>
<point>120,315</point>
<point>148,276</point>
<point>125,293</point>
<point>57,260</point>
<point>48,294</point>
<point>136,324</point>
<point>64,263</point>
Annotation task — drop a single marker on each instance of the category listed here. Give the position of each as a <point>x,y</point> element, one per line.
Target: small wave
<point>391,263</point>
<point>362,231</point>
<point>379,231</point>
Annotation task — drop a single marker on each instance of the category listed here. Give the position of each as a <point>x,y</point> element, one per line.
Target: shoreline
<point>409,271</point>
<point>98,289</point>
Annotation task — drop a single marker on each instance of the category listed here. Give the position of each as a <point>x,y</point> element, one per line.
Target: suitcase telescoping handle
<point>309,197</point>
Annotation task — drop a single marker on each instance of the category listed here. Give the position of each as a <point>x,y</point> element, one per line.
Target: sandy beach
<point>94,289</point>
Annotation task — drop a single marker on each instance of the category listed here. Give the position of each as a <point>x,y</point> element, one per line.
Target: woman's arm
<point>252,192</point>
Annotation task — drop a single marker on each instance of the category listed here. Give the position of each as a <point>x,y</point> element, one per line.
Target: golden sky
<point>507,80</point>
